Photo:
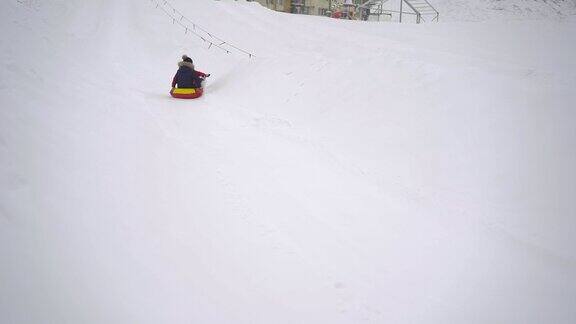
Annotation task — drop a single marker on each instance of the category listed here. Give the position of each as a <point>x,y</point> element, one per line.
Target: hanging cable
<point>196,30</point>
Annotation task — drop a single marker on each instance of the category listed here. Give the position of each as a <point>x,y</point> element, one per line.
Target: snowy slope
<point>483,10</point>
<point>350,173</point>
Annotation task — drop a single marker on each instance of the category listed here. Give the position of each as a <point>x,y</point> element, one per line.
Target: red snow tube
<point>186,93</point>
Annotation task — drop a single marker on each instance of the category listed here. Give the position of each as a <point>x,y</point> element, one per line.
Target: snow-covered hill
<point>349,173</point>
<point>483,10</point>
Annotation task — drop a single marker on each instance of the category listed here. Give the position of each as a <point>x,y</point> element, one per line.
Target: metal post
<point>401,10</point>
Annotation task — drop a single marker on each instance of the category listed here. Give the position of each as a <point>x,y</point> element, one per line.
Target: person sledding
<point>187,83</point>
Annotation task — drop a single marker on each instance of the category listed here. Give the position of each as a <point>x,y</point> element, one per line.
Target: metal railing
<point>421,8</point>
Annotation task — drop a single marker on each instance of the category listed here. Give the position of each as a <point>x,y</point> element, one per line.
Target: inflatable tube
<point>186,93</point>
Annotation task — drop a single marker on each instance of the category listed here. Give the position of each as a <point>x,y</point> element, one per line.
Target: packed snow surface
<point>349,173</point>
<point>483,10</point>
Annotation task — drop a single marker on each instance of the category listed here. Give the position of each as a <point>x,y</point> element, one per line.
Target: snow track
<point>351,173</point>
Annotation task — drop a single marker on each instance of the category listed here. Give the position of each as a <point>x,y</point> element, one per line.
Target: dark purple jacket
<point>187,77</point>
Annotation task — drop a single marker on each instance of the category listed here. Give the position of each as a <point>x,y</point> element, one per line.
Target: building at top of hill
<point>312,7</point>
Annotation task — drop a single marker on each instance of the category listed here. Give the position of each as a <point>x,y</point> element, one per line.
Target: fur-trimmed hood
<point>186,64</point>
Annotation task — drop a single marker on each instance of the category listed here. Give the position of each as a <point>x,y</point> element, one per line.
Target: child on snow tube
<point>187,83</point>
